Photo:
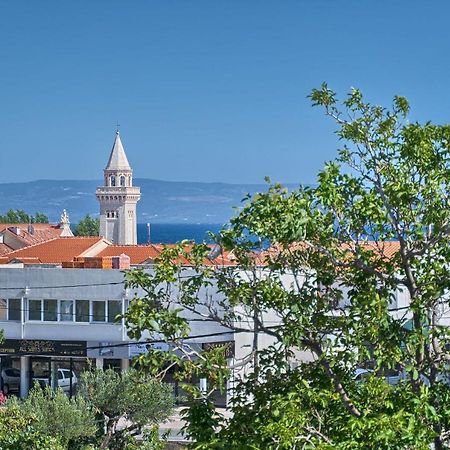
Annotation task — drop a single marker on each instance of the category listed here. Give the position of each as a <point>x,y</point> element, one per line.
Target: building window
<point>50,310</point>
<point>114,309</point>
<point>82,311</point>
<point>112,180</point>
<point>3,309</point>
<point>14,307</point>
<point>122,181</point>
<point>66,310</point>
<point>34,309</point>
<point>98,311</point>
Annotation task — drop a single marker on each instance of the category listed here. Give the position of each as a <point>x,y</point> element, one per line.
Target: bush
<point>18,432</point>
<point>54,414</point>
<point>129,395</point>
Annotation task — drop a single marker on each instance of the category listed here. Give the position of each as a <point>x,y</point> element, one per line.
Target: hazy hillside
<point>161,201</point>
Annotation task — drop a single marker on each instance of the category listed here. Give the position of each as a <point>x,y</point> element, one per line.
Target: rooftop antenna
<point>30,225</point>
<point>148,233</point>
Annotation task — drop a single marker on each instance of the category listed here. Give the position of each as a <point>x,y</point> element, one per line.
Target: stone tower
<point>118,198</point>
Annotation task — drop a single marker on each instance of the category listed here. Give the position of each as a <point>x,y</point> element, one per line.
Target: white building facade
<point>55,318</point>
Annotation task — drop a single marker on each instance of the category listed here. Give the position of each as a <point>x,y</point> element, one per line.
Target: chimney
<point>15,230</point>
<point>30,229</point>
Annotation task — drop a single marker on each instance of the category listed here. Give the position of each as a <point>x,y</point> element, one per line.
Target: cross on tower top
<point>117,127</point>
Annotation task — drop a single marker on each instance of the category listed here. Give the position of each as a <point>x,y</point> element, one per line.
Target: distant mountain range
<point>161,201</point>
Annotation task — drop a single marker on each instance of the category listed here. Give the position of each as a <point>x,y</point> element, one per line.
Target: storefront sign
<point>43,347</point>
<point>139,348</point>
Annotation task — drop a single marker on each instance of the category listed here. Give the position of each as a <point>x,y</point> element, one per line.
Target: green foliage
<point>130,395</point>
<point>88,226</point>
<point>17,431</point>
<point>151,440</point>
<point>55,414</point>
<point>20,216</point>
<point>201,423</point>
<point>375,228</point>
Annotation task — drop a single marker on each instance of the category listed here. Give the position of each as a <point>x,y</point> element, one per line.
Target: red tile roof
<point>54,251</point>
<point>385,250</point>
<point>138,253</point>
<point>36,226</point>
<point>4,249</point>
<point>41,232</point>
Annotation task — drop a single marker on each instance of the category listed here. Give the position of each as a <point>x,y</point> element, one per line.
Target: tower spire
<point>118,198</point>
<point>118,159</point>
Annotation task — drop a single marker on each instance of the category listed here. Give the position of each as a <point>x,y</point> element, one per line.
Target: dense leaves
<point>349,275</point>
<point>88,226</point>
<point>55,414</point>
<point>128,396</point>
<point>50,420</point>
<point>20,216</point>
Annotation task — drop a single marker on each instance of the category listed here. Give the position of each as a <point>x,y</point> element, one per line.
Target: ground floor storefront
<point>25,362</point>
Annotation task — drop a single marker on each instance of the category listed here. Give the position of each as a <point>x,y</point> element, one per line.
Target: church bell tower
<point>118,198</point>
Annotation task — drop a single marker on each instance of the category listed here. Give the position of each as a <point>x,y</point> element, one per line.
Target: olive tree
<point>51,416</point>
<point>356,270</point>
<point>131,397</point>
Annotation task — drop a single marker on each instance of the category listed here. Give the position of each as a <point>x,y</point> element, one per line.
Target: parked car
<point>10,380</point>
<point>63,380</point>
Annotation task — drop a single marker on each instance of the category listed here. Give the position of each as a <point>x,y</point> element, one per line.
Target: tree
<point>17,431</point>
<point>88,226</point>
<point>356,271</point>
<point>68,420</point>
<point>20,216</point>
<point>129,395</point>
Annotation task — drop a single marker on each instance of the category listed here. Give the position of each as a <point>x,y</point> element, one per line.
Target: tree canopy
<point>20,216</point>
<point>129,395</point>
<point>88,226</point>
<point>351,274</point>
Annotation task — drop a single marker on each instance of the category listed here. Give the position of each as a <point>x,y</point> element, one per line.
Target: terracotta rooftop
<point>18,235</point>
<point>36,226</point>
<point>65,249</point>
<point>58,250</point>
<point>138,253</point>
<point>4,249</point>
<point>383,249</point>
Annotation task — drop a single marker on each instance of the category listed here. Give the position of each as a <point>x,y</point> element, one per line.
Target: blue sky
<point>204,90</point>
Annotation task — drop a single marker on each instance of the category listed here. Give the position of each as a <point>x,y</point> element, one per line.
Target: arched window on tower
<point>122,180</point>
<point>112,180</point>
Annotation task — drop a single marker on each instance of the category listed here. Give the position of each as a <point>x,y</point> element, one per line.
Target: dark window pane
<point>14,309</point>
<point>114,308</point>
<point>51,310</point>
<point>34,311</point>
<point>98,311</point>
<point>82,310</point>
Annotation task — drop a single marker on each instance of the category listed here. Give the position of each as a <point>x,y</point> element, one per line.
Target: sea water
<point>175,232</point>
